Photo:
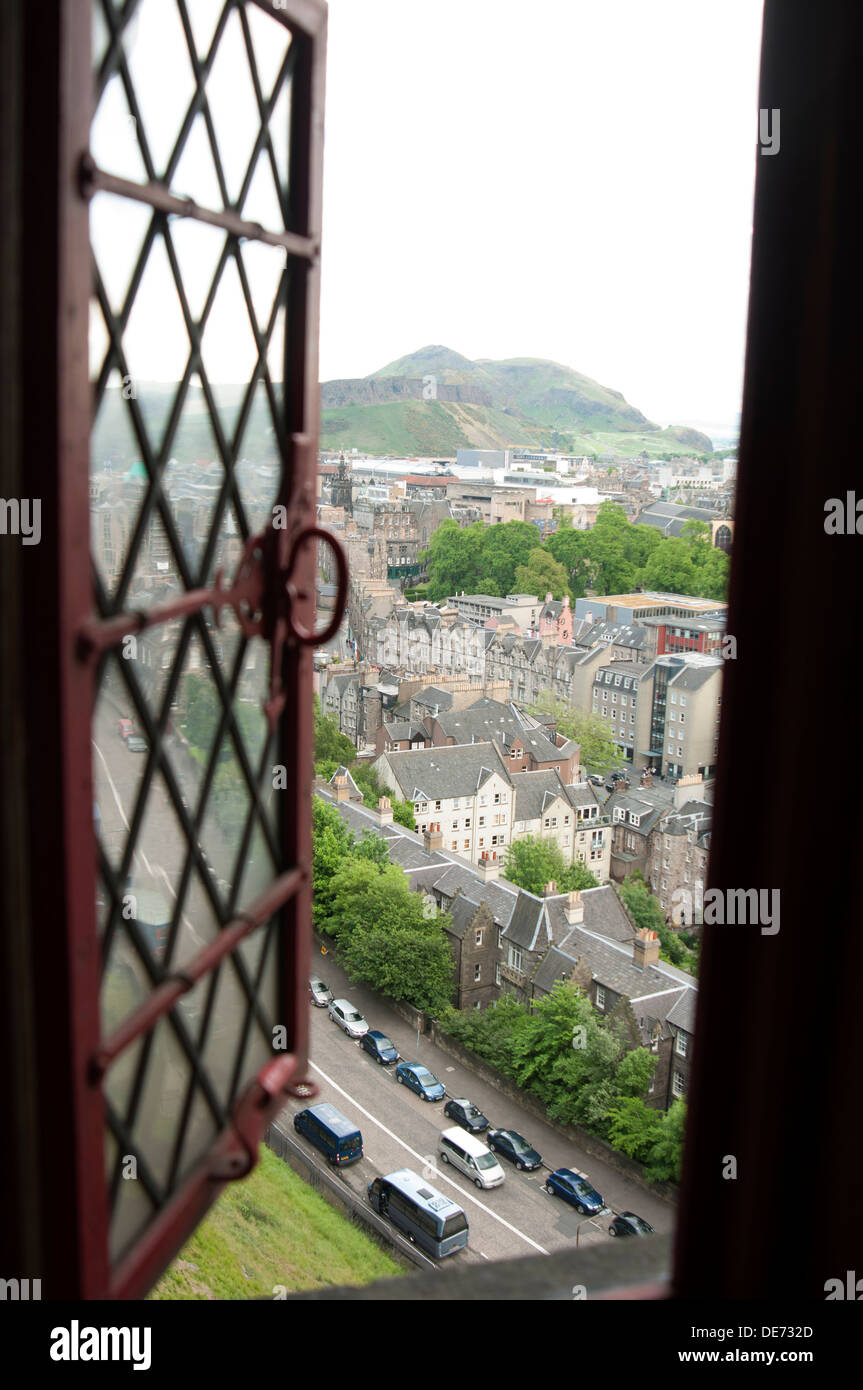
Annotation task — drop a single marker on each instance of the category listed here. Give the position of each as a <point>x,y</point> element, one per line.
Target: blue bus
<point>433,1222</point>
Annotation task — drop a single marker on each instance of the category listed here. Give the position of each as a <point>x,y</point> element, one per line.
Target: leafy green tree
<point>635,1071</point>
<point>330,744</point>
<point>203,709</point>
<point>666,1153</point>
<point>333,845</point>
<point>634,1128</point>
<point>647,913</point>
<point>571,549</point>
<point>531,863</point>
<point>577,876</point>
<point>542,575</point>
<point>505,546</point>
<point>386,935</point>
<point>453,559</point>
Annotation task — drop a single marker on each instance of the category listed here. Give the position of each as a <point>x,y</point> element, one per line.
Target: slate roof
<point>555,965</point>
<point>604,915</point>
<point>528,926</point>
<point>402,728</point>
<point>500,897</point>
<point>534,791</point>
<point>437,774</point>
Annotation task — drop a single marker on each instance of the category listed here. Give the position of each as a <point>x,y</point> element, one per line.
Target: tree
<point>453,559</point>
<point>330,744</point>
<point>387,936</point>
<point>648,915</point>
<point>531,863</point>
<point>202,711</point>
<point>542,575</point>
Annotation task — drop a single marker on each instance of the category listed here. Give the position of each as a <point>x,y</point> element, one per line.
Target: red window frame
<point>65,639</point>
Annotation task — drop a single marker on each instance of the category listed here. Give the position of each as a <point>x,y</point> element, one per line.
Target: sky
<point>568,179</point>
<point>564,179</point>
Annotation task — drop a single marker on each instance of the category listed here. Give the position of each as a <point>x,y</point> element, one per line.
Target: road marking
<point>463,1196</point>
<point>119,802</point>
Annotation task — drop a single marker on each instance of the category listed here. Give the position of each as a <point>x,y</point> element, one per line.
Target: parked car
<point>124,727</point>
<point>349,1019</point>
<point>321,994</point>
<point>626,1223</point>
<point>509,1144</point>
<point>136,744</point>
<point>421,1080</point>
<point>575,1189</point>
<point>379,1046</point>
<point>466,1114</point>
<point>595,778</point>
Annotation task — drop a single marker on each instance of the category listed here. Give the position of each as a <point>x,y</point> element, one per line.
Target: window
<point>455,804</point>
<point>497,973</point>
<point>515,957</point>
<point>479,936</point>
<point>131,1052</point>
<point>467,822</point>
<point>466,844</point>
<point>680,1044</point>
<point>600,997</point>
<point>482,820</point>
<point>678,1085</point>
<point>477,972</point>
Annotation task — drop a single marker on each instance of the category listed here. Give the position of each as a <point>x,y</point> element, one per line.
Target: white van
<point>465,1152</point>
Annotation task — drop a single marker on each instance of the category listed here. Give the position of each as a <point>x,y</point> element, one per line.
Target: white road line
<point>119,802</point>
<point>463,1196</point>
<point>198,940</point>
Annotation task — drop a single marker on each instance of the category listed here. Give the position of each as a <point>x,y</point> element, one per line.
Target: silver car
<point>321,994</point>
<point>348,1018</point>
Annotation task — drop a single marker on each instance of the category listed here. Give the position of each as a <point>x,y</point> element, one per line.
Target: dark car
<point>421,1080</point>
<point>575,1189</point>
<point>626,1223</point>
<point>466,1114</point>
<point>509,1144</point>
<point>379,1046</point>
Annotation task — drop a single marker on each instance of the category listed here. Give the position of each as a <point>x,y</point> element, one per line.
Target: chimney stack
<point>488,869</point>
<point>550,889</point>
<point>574,911</point>
<point>432,838</point>
<point>385,810</point>
<point>645,948</point>
<point>341,788</point>
<point>548,598</point>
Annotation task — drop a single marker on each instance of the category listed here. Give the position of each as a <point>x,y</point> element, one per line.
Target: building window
<point>479,936</point>
<point>600,997</point>
<point>680,1044</point>
<point>678,1085</point>
<point>467,844</point>
<point>515,957</point>
<point>497,974</point>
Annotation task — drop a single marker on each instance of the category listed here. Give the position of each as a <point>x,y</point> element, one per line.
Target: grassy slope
<point>278,1230</point>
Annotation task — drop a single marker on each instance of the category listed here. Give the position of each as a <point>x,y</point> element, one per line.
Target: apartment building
<point>677,715</point>
<point>615,700</point>
<point>462,792</point>
<point>571,816</point>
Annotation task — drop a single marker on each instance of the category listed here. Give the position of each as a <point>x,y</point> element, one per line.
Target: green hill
<point>488,404</point>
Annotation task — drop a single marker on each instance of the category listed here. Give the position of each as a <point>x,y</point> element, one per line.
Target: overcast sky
<point>568,179</point>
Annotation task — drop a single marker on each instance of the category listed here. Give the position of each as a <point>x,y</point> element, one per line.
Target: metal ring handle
<point>312,638</point>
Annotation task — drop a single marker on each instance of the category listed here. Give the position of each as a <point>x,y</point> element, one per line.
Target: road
<point>401,1131</point>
